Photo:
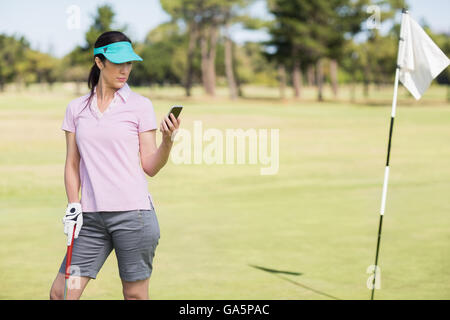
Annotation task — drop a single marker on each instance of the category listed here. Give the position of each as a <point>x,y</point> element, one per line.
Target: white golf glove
<point>73,216</point>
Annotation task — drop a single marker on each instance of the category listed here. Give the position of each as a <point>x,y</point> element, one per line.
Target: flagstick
<point>386,171</point>
<point>386,178</point>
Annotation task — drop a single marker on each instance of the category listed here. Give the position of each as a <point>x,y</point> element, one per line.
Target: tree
<point>278,57</point>
<point>300,33</point>
<point>352,64</point>
<point>369,50</point>
<point>346,21</point>
<point>80,59</point>
<point>308,32</point>
<point>190,14</point>
<point>251,65</point>
<point>443,42</point>
<point>164,58</point>
<point>43,66</point>
<point>234,13</point>
<point>13,63</point>
<point>203,20</point>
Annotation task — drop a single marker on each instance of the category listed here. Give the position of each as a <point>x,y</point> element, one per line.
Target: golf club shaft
<point>68,261</point>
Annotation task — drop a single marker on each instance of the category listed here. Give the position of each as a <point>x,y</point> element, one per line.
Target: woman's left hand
<point>169,127</point>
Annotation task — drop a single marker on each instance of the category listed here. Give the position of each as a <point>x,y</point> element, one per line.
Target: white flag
<point>419,58</point>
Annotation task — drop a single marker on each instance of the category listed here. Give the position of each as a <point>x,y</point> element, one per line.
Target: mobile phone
<point>175,110</point>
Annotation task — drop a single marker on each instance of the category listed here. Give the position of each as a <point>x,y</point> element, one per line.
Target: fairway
<point>227,232</point>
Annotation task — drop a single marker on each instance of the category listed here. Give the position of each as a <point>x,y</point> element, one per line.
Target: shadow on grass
<point>277,272</point>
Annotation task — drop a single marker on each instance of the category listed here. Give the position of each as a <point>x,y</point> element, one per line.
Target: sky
<point>49,25</point>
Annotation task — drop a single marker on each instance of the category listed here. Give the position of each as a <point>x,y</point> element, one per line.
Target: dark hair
<point>103,40</point>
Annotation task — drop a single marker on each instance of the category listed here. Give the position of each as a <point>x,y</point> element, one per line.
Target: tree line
<point>311,42</point>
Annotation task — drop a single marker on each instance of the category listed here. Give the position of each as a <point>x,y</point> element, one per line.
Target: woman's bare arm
<point>72,168</point>
<point>153,158</point>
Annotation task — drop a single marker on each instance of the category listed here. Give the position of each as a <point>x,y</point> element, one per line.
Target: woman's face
<point>114,75</point>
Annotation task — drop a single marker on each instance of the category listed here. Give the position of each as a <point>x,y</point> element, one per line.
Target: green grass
<point>224,227</point>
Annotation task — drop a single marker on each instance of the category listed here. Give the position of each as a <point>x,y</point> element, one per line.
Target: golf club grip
<point>69,254</point>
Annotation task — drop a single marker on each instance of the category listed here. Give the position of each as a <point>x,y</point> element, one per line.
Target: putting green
<point>227,232</point>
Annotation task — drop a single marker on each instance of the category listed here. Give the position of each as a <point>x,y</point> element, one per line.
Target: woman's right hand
<point>73,216</point>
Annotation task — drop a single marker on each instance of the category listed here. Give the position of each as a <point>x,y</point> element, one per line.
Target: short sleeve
<point>69,121</point>
<point>146,116</point>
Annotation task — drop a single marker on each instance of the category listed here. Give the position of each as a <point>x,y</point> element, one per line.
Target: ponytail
<point>94,76</point>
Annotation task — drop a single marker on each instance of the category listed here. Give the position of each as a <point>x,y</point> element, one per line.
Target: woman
<point>111,142</point>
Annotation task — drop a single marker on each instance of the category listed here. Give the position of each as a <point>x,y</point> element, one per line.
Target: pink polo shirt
<point>111,175</point>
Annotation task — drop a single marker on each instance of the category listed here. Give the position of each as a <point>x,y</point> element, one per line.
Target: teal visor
<point>118,52</point>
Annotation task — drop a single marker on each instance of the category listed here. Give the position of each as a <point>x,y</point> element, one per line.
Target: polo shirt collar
<point>123,92</point>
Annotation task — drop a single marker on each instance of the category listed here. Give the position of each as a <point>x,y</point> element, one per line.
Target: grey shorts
<point>134,235</point>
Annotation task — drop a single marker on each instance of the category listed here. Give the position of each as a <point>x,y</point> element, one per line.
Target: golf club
<point>68,261</point>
